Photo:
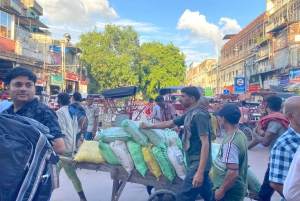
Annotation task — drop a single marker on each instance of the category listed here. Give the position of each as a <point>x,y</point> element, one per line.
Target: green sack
<point>172,138</point>
<point>253,182</point>
<point>156,137</point>
<point>112,134</point>
<point>132,128</point>
<point>108,153</point>
<point>164,162</point>
<point>135,151</point>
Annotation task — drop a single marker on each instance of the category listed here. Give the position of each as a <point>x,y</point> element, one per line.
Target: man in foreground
<point>272,127</point>
<point>69,129</point>
<point>231,164</point>
<point>21,86</point>
<point>286,146</point>
<point>196,144</point>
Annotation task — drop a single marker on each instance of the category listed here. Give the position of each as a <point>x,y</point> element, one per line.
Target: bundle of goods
<point>112,134</point>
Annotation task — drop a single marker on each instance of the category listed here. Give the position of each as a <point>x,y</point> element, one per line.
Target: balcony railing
<point>33,5</point>
<point>11,4</point>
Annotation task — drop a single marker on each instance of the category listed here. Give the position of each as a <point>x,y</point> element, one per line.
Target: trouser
<point>266,191</point>
<point>70,172</point>
<point>88,136</point>
<point>188,193</point>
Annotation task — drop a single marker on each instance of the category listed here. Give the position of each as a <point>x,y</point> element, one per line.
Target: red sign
<point>253,88</point>
<point>39,82</point>
<point>72,76</point>
<point>83,83</point>
<point>7,45</point>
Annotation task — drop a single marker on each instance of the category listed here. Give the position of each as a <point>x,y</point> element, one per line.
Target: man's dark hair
<point>63,98</point>
<point>274,103</point>
<point>173,98</point>
<point>151,100</point>
<point>77,96</point>
<point>159,98</point>
<point>19,71</point>
<point>243,103</point>
<point>191,91</point>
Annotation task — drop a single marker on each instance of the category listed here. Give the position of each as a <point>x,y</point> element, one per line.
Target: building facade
<point>25,41</point>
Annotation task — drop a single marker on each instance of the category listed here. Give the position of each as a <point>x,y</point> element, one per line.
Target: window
<point>5,25</point>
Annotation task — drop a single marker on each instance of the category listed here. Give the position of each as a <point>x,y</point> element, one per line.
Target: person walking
<point>231,164</point>
<point>167,110</point>
<point>271,128</point>
<point>196,145</point>
<point>92,113</point>
<point>69,129</point>
<point>286,146</point>
<point>4,104</point>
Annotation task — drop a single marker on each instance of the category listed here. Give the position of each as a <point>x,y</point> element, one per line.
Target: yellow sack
<point>89,152</point>
<point>151,161</point>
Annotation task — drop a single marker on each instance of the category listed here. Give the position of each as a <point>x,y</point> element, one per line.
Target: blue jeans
<point>188,193</point>
<point>88,136</point>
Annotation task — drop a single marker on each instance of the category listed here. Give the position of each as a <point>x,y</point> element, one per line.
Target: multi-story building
<point>25,41</point>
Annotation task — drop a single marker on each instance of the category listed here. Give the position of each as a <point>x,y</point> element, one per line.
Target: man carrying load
<point>196,144</point>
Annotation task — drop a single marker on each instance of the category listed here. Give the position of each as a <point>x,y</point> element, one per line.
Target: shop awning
<point>30,21</point>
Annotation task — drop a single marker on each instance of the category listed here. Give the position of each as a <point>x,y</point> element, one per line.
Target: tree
<point>111,55</point>
<point>160,66</point>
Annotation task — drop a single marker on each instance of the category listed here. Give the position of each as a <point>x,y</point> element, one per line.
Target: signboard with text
<point>72,76</point>
<point>226,91</point>
<point>56,80</point>
<point>239,85</point>
<point>294,75</point>
<point>253,88</point>
<point>83,86</point>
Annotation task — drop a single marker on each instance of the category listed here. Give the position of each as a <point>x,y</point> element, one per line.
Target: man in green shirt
<point>231,164</point>
<point>196,140</point>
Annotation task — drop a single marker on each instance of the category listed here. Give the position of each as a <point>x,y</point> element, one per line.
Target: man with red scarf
<point>270,128</point>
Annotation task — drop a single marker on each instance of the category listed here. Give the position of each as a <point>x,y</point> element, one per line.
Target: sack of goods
<point>253,182</point>
<point>89,152</point>
<point>108,153</point>
<point>156,137</point>
<point>112,134</point>
<point>176,157</point>
<point>122,153</point>
<point>172,138</point>
<point>151,161</point>
<point>164,162</point>
<point>137,156</point>
<point>132,128</point>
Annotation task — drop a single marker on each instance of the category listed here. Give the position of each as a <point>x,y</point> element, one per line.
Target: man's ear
<point>290,116</point>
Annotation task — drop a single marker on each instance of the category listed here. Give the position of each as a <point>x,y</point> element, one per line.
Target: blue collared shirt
<point>282,155</point>
<point>4,105</point>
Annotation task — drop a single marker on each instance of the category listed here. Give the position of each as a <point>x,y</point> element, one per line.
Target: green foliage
<point>115,58</point>
<point>160,66</point>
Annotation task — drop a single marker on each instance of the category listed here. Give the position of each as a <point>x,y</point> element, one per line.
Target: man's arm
<point>198,178</point>
<point>277,187</point>
<point>58,145</point>
<point>163,125</point>
<point>266,140</point>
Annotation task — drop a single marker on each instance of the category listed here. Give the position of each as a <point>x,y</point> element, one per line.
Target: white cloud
<point>138,26</point>
<point>201,28</point>
<point>77,12</point>
<point>192,55</point>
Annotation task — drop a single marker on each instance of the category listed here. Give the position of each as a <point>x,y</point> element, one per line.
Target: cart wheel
<point>219,129</point>
<point>162,195</point>
<point>248,132</point>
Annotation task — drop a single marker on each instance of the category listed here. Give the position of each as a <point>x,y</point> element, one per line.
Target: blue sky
<point>196,26</point>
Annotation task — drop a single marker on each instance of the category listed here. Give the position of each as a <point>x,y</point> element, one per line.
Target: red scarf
<point>275,116</point>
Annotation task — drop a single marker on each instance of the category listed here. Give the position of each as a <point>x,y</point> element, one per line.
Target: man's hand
<point>198,180</point>
<point>145,125</point>
<point>94,133</point>
<point>219,194</point>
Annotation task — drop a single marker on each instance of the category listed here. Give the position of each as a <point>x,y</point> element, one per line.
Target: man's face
<point>161,104</point>
<point>21,90</point>
<point>185,100</point>
<point>90,101</point>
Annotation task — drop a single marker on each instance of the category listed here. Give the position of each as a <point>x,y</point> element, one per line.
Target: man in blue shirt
<point>4,103</point>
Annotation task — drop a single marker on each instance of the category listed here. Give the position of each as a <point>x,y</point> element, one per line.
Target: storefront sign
<point>56,59</point>
<point>56,80</point>
<point>83,86</point>
<point>267,83</point>
<point>284,81</point>
<point>294,75</point>
<point>239,85</point>
<point>252,88</point>
<point>226,91</point>
<point>39,82</point>
<point>72,76</point>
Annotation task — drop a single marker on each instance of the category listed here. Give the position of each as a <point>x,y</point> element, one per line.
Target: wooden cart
<point>164,189</point>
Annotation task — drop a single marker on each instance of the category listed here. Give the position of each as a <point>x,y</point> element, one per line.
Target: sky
<point>195,26</point>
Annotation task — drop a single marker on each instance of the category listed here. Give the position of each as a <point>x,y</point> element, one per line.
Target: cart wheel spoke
<point>162,195</point>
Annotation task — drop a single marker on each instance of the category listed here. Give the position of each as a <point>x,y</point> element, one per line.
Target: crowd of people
<point>280,132</point>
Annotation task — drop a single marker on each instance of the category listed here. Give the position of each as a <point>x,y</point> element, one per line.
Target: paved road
<point>98,185</point>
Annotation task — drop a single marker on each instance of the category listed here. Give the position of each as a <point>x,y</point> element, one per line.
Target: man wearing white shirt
<point>291,189</point>
<point>156,114</point>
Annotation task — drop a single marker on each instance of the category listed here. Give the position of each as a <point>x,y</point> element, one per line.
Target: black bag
<point>76,109</point>
<point>28,169</point>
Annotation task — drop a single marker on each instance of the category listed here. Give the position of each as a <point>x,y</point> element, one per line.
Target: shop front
<point>273,82</point>
<point>230,88</point>
<point>83,87</point>
<point>55,84</point>
<point>72,82</point>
